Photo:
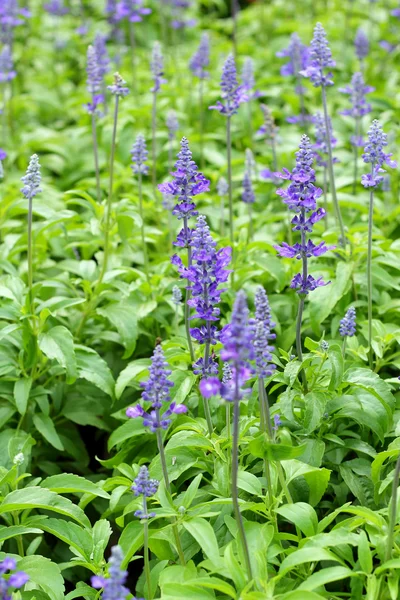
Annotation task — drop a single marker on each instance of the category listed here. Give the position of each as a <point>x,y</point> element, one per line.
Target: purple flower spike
<point>248,81</point>
<point>201,59</point>
<point>277,422</point>
<point>357,91</point>
<point>139,155</point>
<point>7,72</point>
<point>32,179</point>
<point>172,124</point>
<point>320,59</point>
<point>374,154</point>
<point>222,187</point>
<point>248,195</point>
<point>210,387</point>
<point>143,485</point>
<point>131,10</point>
<point>119,87</point>
<point>12,581</point>
<point>231,91</point>
<point>56,8</point>
<point>347,325</point>
<point>179,17</point>
<point>298,55</point>
<point>157,67</point>
<point>113,586</point>
<point>102,57</point>
<point>321,140</point>
<point>361,44</point>
<point>263,311</point>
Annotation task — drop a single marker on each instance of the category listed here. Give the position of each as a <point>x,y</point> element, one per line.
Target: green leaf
<point>128,430</point>
<point>131,540</point>
<point>67,483</point>
<point>191,491</point>
<point>101,534</point>
<point>261,447</point>
<point>324,576</point>
<point>67,531</point>
<point>9,532</point>
<point>37,497</point>
<point>364,553</point>
<point>302,515</point>
<point>324,299</point>
<point>204,535</point>
<point>94,369</point>
<point>124,318</point>
<point>130,374</point>
<point>45,574</point>
<point>336,363</point>
<point>58,344</point>
<point>183,591</point>
<point>22,388</point>
<point>249,483</point>
<point>305,555</point>
<point>45,426</point>
<point>315,403</point>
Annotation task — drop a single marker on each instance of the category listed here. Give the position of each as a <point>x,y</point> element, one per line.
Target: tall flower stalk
<point>392,511</point>
<point>233,95</point>
<point>376,157</point>
<point>31,181</point>
<point>157,393</point>
<point>205,274</point>
<point>187,182</point>
<point>322,153</point>
<point>321,59</point>
<point>360,107</point>
<point>94,86</point>
<point>157,71</point>
<point>139,157</point>
<point>298,56</point>
<point>113,586</point>
<point>347,327</point>
<point>198,65</point>
<point>301,197</point>
<point>248,195</point>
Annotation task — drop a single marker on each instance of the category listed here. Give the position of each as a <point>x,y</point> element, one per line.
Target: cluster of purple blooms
<point>361,45</point>
<point>130,10</point>
<point>357,91</point>
<point>94,81</point>
<point>7,71</point>
<point>157,391</point>
<point>204,275</point>
<point>172,124</point>
<point>232,93</point>
<point>321,140</point>
<point>119,87</point>
<point>157,68</point>
<point>32,179</point>
<point>10,581</point>
<point>298,55</point>
<point>56,8</point>
<point>146,487</point>
<point>347,327</point>
<point>248,81</point>
<point>263,335</point>
<point>113,586</point>
<point>301,197</point>
<point>375,156</point>
<point>201,58</point>
<point>320,59</point>
<point>139,155</point>
<point>248,195</point>
<point>11,15</point>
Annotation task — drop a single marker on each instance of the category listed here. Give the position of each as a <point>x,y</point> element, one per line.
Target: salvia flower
<point>263,334</point>
<point>374,154</point>
<point>347,327</point>
<point>263,311</point>
<point>7,71</point>
<point>301,197</point>
<point>320,59</point>
<point>321,141</point>
<point>146,487</point>
<point>248,195</point>
<point>157,391</point>
<point>248,81</point>
<point>187,182</point>
<point>201,58</point>
<point>11,14</point>
<point>94,80</point>
<point>231,92</point>
<point>222,187</point>
<point>357,91</point>
<point>157,67</point>
<point>14,580</point>
<point>176,295</point>
<point>298,55</point>
<point>131,10</point>
<point>114,585</point>
<point>172,124</point>
<point>119,87</point>
<point>361,44</point>
<point>277,422</point>
<point>269,129</point>
<point>56,8</point>
<point>32,179</point>
<point>102,57</point>
<point>139,155</point>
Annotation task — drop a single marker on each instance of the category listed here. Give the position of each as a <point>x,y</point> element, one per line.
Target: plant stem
<point>201,108</point>
<point>187,298</point>
<point>168,486</point>
<point>145,255</point>
<point>344,347</point>
<point>222,226</point>
<point>206,361</point>
<point>153,139</point>
<point>96,157</point>
<point>250,123</point>
<point>355,151</point>
<point>266,427</point>
<point>30,257</point>
<point>369,274</point>
<point>330,170</point>
<point>229,156</point>
<point>325,198</point>
<point>302,297</point>
<point>235,470</point>
<point>146,549</point>
<point>250,232</point>
<point>393,512</point>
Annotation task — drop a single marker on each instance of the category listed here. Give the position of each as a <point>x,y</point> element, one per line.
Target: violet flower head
<point>301,197</point>
<point>114,585</point>
<point>248,81</point>
<point>222,187</point>
<point>131,10</point>
<point>157,391</point>
<point>262,351</point>
<point>357,91</point>
<point>172,124</point>
<point>94,80</point>
<point>102,57</point>
<point>320,59</point>
<point>361,44</point>
<point>298,55</point>
<point>143,485</point>
<point>374,154</point>
<point>157,67</point>
<point>277,422</point>
<point>12,581</point>
<point>226,372</point>
<point>321,140</point>
<point>201,58</point>
<point>263,311</point>
<point>56,8</point>
<point>119,87</point>
<point>32,178</point>
<point>176,295</point>
<point>347,327</point>
<point>139,155</point>
<point>11,15</point>
<point>395,12</point>
<point>231,92</point>
<point>269,129</point>
<point>248,195</point>
<point>180,20</point>
<point>7,71</point>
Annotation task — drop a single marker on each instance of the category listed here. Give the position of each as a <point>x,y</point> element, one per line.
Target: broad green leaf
<point>37,497</point>
<point>45,574</point>
<point>215,583</point>
<point>130,374</point>
<point>22,388</point>
<point>315,403</point>
<point>191,491</point>
<point>249,483</point>
<point>94,369</point>
<point>204,535</point>
<point>302,515</point>
<point>128,430</point>
<point>124,318</point>
<point>364,553</point>
<point>101,535</point>
<point>305,555</point>
<point>58,344</point>
<point>67,483</point>
<point>336,363</point>
<point>45,426</point>
<point>131,540</point>
<point>10,532</point>
<point>184,591</point>
<point>67,531</point>
<point>261,447</point>
<point>324,299</point>
<point>302,595</point>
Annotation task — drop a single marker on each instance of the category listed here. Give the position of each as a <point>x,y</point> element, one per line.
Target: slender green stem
<point>393,512</point>
<point>187,298</point>
<point>96,157</point>
<point>344,344</point>
<point>229,156</point>
<point>146,549</point>
<point>355,151</point>
<point>235,471</point>
<point>301,296</point>
<point>168,486</point>
<point>330,170</point>
<point>369,274</point>
<point>222,226</point>
<point>206,361</point>
<point>266,427</point>
<point>30,257</point>
<point>153,139</point>
<point>250,231</point>
<point>201,108</point>
<point>326,198</point>
<point>142,230</point>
